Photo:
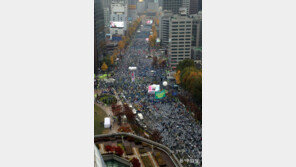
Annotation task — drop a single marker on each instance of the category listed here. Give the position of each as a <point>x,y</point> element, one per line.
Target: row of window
<point>175,36</point>
<point>180,52</point>
<point>181,49</point>
<point>180,42</point>
<point>182,29</point>
<point>181,22</point>
<point>181,39</point>
<point>181,26</point>
<point>181,45</point>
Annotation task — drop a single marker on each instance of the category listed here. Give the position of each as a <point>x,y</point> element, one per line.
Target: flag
<point>160,95</point>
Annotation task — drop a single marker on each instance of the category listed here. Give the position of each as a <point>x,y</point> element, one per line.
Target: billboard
<point>160,95</point>
<point>116,38</point>
<point>149,22</point>
<point>116,24</point>
<point>153,88</point>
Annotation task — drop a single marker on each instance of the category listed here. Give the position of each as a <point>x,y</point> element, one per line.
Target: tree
<point>155,136</point>
<point>177,77</point>
<point>185,63</point>
<point>104,67</point>
<point>129,113</point>
<point>121,45</point>
<point>154,62</point>
<point>112,60</point>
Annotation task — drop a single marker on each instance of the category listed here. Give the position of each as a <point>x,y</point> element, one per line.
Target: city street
<point>179,131</point>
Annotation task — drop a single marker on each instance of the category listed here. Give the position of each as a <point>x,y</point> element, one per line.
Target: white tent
<point>134,111</point>
<point>140,116</point>
<point>107,122</point>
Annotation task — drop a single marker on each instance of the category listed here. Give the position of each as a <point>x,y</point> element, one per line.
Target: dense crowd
<point>178,129</point>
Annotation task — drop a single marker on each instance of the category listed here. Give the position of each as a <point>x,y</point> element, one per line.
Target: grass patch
<point>99,120</point>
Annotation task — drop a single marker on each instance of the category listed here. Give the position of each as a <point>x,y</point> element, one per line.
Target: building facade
<point>172,5</point>
<point>118,18</point>
<point>193,7</point>
<point>132,10</point>
<point>141,7</point>
<point>196,29</point>
<point>107,17</point>
<point>99,33</point>
<point>180,30</point>
<point>164,24</point>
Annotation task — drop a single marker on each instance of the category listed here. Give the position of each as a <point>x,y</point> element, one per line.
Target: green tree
<point>185,63</point>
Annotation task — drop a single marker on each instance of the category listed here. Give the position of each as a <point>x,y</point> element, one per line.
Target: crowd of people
<point>179,131</point>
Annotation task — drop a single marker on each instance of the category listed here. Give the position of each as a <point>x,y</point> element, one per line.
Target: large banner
<point>160,95</point>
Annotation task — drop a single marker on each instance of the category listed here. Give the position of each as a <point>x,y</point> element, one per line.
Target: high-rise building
<point>118,18</point>
<point>107,17</point>
<point>172,5</point>
<point>180,30</point>
<point>152,6</point>
<point>199,5</point>
<point>99,34</point>
<point>196,29</point>
<point>141,7</point>
<point>193,7</point>
<point>132,10</point>
<point>186,4</point>
<point>164,24</point>
<point>107,3</point>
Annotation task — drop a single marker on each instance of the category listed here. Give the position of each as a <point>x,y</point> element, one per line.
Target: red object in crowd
<point>135,162</point>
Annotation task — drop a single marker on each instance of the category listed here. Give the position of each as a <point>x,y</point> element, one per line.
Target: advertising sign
<point>116,24</point>
<point>160,95</point>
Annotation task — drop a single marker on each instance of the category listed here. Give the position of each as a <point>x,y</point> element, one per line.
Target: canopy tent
<point>140,116</point>
<point>134,111</point>
<point>107,122</point>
